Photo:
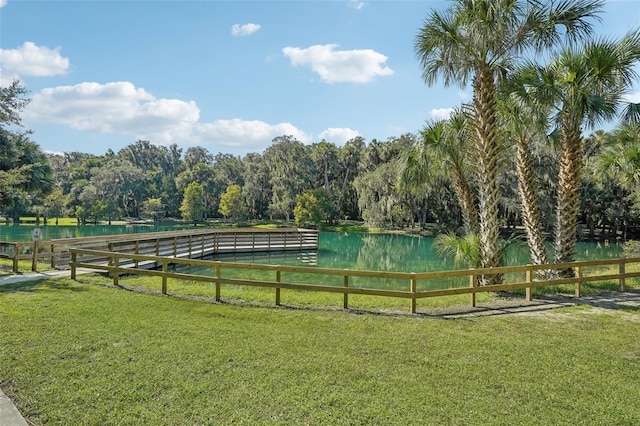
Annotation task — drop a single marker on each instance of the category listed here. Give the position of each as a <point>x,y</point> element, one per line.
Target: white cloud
<point>238,30</point>
<point>442,113</point>
<point>121,108</point>
<point>632,97</point>
<point>32,60</point>
<point>339,136</point>
<point>356,4</point>
<point>3,3</point>
<point>117,107</point>
<point>337,66</point>
<point>237,133</point>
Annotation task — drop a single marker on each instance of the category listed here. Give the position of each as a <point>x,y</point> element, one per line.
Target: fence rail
<point>117,264</point>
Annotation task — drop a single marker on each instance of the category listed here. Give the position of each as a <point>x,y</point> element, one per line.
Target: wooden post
<point>414,285</point>
<point>157,252</point>
<point>116,273</point>
<point>472,295</point>
<point>53,258</point>
<point>577,284</point>
<point>164,276</point>
<point>621,271</point>
<point>16,250</point>
<point>278,279</point>
<point>218,274</point>
<point>345,284</point>
<point>190,242</point>
<point>34,262</point>
<point>529,278</point>
<point>73,265</point>
<point>136,251</point>
<point>175,246</point>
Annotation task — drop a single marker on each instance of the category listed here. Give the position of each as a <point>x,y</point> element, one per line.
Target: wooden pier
<point>184,244</point>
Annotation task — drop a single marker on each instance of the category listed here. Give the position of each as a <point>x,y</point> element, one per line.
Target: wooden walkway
<point>184,244</point>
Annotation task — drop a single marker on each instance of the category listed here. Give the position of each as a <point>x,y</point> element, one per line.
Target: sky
<point>228,76</point>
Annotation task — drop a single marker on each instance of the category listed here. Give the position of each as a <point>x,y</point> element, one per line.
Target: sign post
<point>35,236</point>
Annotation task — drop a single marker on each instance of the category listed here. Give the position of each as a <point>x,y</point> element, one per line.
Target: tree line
<point>518,155</point>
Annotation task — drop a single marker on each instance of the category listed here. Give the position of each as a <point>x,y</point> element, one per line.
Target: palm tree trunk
<point>530,206</point>
<point>486,150</point>
<point>568,196</point>
<point>467,204</point>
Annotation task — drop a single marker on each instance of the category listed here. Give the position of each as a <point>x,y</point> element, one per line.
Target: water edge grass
<point>87,353</point>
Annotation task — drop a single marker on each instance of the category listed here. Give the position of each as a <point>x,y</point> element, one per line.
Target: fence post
<point>34,262</point>
<point>73,265</point>
<point>53,258</point>
<point>16,251</point>
<point>577,284</point>
<point>116,274</point>
<point>218,274</point>
<point>528,290</point>
<point>278,279</point>
<point>414,285</point>
<point>621,271</point>
<point>345,284</point>
<point>165,266</point>
<point>472,284</point>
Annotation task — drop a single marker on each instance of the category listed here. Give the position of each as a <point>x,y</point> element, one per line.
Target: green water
<point>339,250</point>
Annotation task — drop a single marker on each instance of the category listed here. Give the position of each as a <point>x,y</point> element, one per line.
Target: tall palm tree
<point>525,121</point>
<point>482,40</point>
<point>588,84</point>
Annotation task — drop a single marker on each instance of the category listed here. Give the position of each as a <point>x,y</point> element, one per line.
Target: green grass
<point>83,353</point>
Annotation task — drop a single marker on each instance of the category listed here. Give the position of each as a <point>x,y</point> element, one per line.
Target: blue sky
<point>226,75</point>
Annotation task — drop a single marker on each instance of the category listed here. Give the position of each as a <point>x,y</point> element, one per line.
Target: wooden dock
<point>184,244</point>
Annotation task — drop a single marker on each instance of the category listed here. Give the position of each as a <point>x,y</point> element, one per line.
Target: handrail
<point>111,262</point>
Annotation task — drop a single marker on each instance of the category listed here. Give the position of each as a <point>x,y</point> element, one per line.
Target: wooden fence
<point>192,243</point>
<point>116,264</point>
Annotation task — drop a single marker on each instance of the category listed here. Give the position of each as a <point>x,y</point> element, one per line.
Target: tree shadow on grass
<point>42,285</point>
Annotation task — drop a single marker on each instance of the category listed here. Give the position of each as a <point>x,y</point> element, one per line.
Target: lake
<point>380,252</point>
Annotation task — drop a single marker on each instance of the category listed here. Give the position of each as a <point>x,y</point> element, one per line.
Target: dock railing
<point>116,264</point>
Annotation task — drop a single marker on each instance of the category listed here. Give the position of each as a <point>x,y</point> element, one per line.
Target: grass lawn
<point>85,353</point>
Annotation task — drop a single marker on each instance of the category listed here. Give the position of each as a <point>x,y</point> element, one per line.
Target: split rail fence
<point>116,264</point>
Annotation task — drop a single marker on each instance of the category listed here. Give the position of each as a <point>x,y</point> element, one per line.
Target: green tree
<point>481,40</point>
<point>232,203</point>
<point>312,207</point>
<point>152,207</point>
<point>290,173</point>
<point>256,188</point>
<point>55,203</point>
<point>12,102</point>
<point>192,207</point>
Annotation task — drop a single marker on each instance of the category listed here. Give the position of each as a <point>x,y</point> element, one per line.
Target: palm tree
<point>588,84</point>
<point>439,152</point>
<point>525,121</point>
<point>482,40</point>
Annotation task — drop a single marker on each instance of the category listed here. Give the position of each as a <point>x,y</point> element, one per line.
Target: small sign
<point>35,234</point>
